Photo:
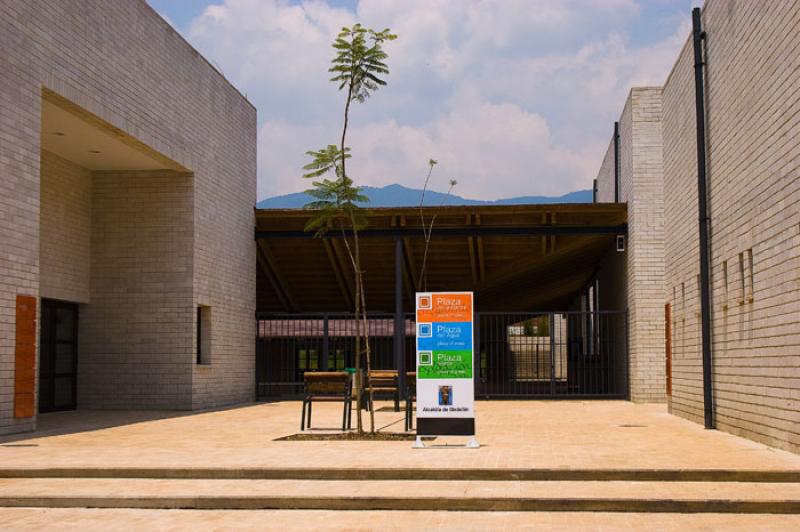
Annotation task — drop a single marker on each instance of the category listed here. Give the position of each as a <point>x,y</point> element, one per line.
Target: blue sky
<point>512,97</point>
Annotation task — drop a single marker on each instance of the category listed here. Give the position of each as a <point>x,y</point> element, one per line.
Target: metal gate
<point>556,354</point>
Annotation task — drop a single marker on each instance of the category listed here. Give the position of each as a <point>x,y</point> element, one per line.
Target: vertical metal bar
<point>325,344</point>
<point>476,356</point>
<point>616,163</point>
<point>702,206</point>
<point>552,330</point>
<point>399,319</point>
<point>626,351</point>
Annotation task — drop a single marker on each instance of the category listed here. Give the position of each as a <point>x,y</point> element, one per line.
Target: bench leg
<point>310,403</point>
<point>303,419</point>
<point>344,415</point>
<point>350,413</point>
<point>397,401</point>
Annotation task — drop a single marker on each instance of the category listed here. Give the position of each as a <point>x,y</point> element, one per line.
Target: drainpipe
<point>698,36</point>
<point>616,162</point>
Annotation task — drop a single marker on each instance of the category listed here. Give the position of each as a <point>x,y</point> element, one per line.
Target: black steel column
<point>616,162</point>
<point>325,344</point>
<point>702,205</point>
<point>476,352</point>
<point>399,318</point>
<point>552,327</point>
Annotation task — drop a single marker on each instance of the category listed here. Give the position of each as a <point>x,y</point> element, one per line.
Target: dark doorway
<point>58,360</point>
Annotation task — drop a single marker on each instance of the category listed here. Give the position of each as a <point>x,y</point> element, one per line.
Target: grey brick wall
<point>121,62</point>
<point>753,105</point>
<point>641,187</point>
<point>135,336</point>
<point>65,228</point>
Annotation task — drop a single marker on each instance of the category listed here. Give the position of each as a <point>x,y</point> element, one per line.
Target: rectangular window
<point>725,285</point>
<point>750,275</point>
<point>741,279</point>
<point>683,300</point>
<point>203,335</point>
<point>699,296</point>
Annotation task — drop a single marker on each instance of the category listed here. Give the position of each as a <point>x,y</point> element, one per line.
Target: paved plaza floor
<point>90,520</point>
<point>513,434</point>
<point>563,436</point>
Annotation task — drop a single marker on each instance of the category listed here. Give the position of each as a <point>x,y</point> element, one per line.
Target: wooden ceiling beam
<point>337,272</point>
<point>481,254</point>
<point>408,251</point>
<point>473,256</point>
<point>345,264</point>
<point>279,281</point>
<point>262,262</point>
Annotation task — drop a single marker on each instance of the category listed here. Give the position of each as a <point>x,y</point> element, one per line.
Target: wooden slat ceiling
<point>506,272</point>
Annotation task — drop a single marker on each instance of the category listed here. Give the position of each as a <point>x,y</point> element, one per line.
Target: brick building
<point>130,276</point>
<point>751,76</point>
<point>127,185</point>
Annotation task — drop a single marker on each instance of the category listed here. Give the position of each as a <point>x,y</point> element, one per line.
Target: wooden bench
<point>385,381</point>
<point>327,386</point>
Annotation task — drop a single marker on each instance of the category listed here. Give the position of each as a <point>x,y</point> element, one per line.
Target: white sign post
<point>445,373</point>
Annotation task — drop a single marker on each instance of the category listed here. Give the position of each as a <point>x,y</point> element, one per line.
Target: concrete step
<point>455,474</point>
<point>242,494</point>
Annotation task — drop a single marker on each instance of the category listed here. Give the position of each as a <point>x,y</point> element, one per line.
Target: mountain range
<point>400,196</point>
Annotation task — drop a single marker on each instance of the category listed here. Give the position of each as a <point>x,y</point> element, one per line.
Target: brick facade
<point>753,107</point>
<point>65,229</point>
<point>641,187</point>
<point>124,65</point>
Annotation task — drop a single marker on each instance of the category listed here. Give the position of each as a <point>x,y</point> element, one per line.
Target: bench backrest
<point>383,378</point>
<point>327,382</point>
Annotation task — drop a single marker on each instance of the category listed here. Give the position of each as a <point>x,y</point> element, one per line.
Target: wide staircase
<point>477,489</point>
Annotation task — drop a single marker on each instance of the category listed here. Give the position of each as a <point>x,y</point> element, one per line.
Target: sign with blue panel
<point>445,385</point>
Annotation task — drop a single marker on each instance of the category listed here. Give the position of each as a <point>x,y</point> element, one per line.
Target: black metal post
<point>616,162</point>
<point>594,191</point>
<point>399,318</point>
<point>325,343</point>
<point>476,352</point>
<point>698,36</point>
<point>552,327</point>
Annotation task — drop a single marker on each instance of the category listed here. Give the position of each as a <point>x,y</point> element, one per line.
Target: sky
<point>511,97</point>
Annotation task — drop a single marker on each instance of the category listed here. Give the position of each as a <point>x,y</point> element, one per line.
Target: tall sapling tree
<point>357,67</point>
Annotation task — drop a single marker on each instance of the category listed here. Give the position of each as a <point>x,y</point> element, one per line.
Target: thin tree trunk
<point>367,351</point>
<point>357,362</point>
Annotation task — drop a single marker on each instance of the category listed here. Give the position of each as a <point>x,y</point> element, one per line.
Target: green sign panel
<point>445,364</point>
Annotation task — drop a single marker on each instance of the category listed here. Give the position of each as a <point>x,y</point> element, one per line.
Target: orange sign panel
<point>25,357</point>
<point>445,308</point>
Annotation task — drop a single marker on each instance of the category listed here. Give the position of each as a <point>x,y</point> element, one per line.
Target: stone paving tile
<point>134,488</point>
<point>513,434</point>
<point>89,520</point>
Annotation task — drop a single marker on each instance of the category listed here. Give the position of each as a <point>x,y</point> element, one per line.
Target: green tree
<point>358,68</point>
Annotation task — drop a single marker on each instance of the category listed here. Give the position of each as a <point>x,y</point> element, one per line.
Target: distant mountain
<point>400,196</point>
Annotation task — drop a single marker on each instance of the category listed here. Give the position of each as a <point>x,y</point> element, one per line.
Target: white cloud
<point>513,98</point>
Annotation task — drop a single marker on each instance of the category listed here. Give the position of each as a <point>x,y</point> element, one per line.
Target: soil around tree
<point>352,436</point>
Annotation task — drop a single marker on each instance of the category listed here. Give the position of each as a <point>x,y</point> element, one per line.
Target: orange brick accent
<point>25,357</point>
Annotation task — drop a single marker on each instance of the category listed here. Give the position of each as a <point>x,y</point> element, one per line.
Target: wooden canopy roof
<point>514,257</point>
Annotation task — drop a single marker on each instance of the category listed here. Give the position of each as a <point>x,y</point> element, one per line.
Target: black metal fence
<point>288,345</point>
<point>565,354</point>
